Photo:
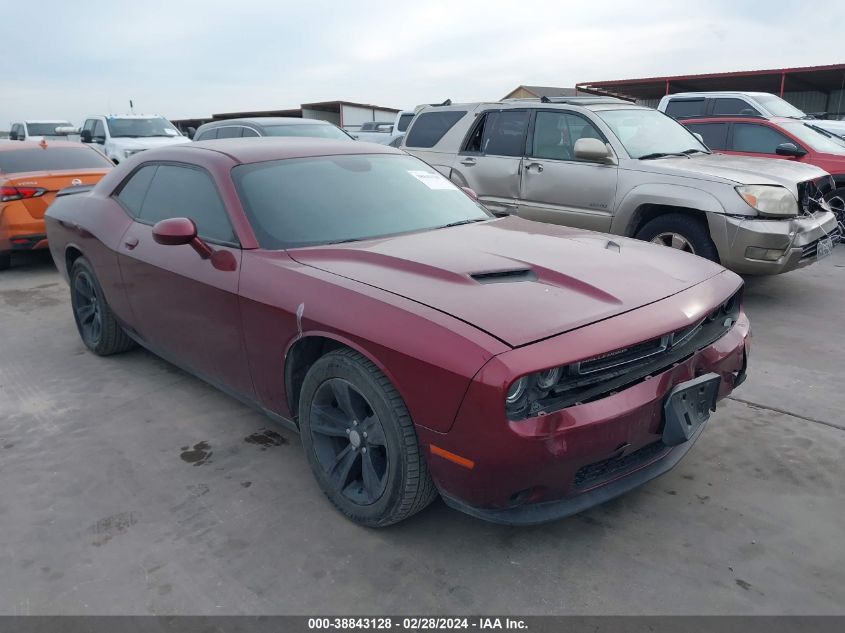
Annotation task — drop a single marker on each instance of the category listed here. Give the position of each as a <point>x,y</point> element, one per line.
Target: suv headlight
<point>769,199</point>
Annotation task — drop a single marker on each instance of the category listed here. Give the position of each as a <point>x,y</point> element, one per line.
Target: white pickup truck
<point>123,135</point>
<point>51,130</point>
<point>384,132</point>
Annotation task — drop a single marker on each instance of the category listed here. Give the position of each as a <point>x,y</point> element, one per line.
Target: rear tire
<point>682,231</point>
<point>5,261</point>
<point>360,441</point>
<point>97,325</point>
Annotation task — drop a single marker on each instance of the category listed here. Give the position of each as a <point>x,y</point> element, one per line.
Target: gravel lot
<point>130,487</point>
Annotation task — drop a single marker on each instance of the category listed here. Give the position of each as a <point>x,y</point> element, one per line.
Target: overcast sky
<point>191,59</point>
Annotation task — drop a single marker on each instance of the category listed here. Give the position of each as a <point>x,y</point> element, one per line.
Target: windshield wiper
<point>693,150</point>
<point>819,130</point>
<point>663,155</point>
<point>460,222</point>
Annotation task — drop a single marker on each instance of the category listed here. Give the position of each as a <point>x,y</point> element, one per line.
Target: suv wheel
<point>360,441</point>
<point>679,230</point>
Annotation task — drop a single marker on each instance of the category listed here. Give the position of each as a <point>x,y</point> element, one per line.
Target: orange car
<point>30,176</point>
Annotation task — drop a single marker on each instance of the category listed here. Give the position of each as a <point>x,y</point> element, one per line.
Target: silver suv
<point>612,166</point>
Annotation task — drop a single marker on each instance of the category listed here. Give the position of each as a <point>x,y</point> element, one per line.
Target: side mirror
<point>175,231</point>
<point>191,132</point>
<point>181,231</point>
<point>790,149</point>
<point>470,192</point>
<point>592,149</point>
<point>13,136</point>
<point>85,136</point>
<point>699,137</point>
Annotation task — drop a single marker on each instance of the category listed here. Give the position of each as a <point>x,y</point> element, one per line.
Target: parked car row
<point>467,316</point>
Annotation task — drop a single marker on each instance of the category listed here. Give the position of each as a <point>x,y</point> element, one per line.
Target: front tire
<point>681,231</point>
<point>97,325</point>
<point>360,441</point>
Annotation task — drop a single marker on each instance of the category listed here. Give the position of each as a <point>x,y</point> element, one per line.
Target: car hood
<point>740,170</point>
<point>147,143</point>
<point>517,280</point>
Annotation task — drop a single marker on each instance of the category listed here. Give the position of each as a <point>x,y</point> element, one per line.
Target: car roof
<point>46,121</point>
<point>256,150</point>
<point>11,147</point>
<point>266,120</point>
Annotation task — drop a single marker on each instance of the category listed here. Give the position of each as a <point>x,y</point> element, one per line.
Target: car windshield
<point>331,199</point>
<point>315,130</point>
<point>779,107</point>
<point>650,134</point>
<point>45,129</point>
<point>51,159</point>
<point>140,127</point>
<point>816,138</point>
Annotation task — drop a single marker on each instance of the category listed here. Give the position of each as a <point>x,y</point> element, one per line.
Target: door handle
<point>539,166</point>
<point>131,242</point>
<point>469,162</point>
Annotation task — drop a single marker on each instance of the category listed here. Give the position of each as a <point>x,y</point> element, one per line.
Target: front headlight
<point>769,199</point>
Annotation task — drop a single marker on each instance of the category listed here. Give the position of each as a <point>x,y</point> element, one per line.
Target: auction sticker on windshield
<point>431,180</point>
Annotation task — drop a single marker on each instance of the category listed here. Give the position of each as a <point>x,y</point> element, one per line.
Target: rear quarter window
<point>429,127</point>
<point>52,159</point>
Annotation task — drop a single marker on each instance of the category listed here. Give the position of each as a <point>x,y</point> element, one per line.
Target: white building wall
<point>322,115</point>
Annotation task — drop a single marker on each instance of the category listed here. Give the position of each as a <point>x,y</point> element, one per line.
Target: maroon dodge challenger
<point>421,346</point>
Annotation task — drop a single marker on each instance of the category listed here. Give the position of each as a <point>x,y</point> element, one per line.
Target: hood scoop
<point>505,276</point>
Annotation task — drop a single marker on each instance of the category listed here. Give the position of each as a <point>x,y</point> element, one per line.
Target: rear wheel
<point>5,260</point>
<point>97,325</point>
<point>681,231</point>
<point>360,441</point>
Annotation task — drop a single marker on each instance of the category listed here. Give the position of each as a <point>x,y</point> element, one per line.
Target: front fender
<point>681,196</point>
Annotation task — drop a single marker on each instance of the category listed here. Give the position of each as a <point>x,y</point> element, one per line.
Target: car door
<point>556,186</point>
<point>758,139</point>
<point>184,307</point>
<point>490,160</point>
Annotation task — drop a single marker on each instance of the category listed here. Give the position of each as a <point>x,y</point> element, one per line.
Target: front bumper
<point>797,237</point>
<point>552,466</point>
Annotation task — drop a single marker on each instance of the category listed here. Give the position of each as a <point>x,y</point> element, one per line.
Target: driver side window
<point>184,191</point>
<point>555,135</point>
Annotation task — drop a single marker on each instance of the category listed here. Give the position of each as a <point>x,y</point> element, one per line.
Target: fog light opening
<point>764,254</point>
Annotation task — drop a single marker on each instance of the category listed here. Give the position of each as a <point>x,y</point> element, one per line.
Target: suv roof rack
<point>572,100</point>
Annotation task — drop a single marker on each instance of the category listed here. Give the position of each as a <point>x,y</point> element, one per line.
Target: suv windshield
<point>779,107</point>
<point>138,127</point>
<point>316,130</point>
<point>817,139</point>
<point>45,129</point>
<point>331,199</point>
<point>650,134</point>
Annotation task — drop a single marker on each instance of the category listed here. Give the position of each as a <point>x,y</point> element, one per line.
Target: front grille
<point>605,374</point>
<point>811,249</point>
<point>607,469</point>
